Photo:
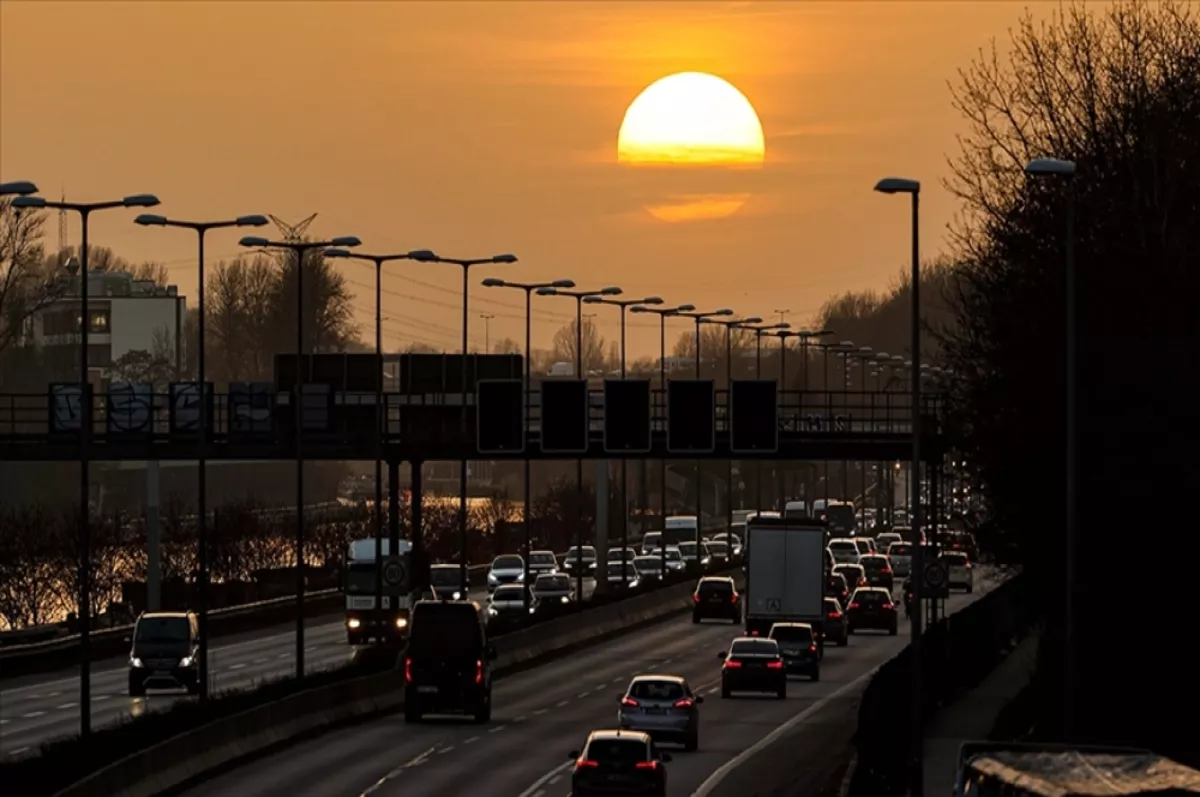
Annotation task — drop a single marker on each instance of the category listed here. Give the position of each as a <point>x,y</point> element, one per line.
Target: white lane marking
<point>522,718</point>
<point>582,695</point>
<point>472,740</point>
<point>617,680</point>
<point>32,715</point>
<point>445,750</point>
<point>541,711</point>
<point>497,729</point>
<point>722,772</point>
<point>561,703</point>
<point>283,655</point>
<point>65,706</point>
<point>18,751</point>
<point>260,660</point>
<point>712,691</point>
<point>236,666</point>
<point>3,722</point>
<point>310,649</point>
<point>536,789</point>
<point>98,698</point>
<point>599,687</point>
<point>53,694</point>
<point>417,761</point>
<point>667,661</point>
<point>555,779</point>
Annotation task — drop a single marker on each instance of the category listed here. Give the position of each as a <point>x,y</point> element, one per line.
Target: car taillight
<point>853,605</point>
<point>478,672</point>
<point>835,615</point>
<point>887,568</point>
<point>754,632</point>
<point>646,765</point>
<point>967,565</point>
<point>812,648</point>
<point>733,598</point>
<point>888,606</point>
<point>696,597</point>
<point>584,763</point>
<point>629,701</point>
<point>775,665</point>
<point>408,669</point>
<point>731,664</point>
<point>684,702</point>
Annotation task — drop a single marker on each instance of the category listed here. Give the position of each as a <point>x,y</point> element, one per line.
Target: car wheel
<point>970,589</point>
<point>725,691</point>
<point>893,631</point>
<point>136,688</point>
<point>412,713</point>
<point>483,713</point>
<point>816,676</point>
<point>692,743</point>
<point>781,694</point>
<point>193,688</point>
<point>695,619</point>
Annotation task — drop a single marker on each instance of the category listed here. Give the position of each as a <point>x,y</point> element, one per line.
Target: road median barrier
<point>200,740</point>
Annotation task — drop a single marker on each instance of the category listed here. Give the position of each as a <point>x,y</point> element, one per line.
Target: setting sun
<point>691,118</point>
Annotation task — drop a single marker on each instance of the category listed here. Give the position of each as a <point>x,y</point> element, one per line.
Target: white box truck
<point>785,573</point>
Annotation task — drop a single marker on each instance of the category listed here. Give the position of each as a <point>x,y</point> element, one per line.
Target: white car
<point>884,540</point>
<point>962,575</point>
<point>674,559</point>
<point>650,542</point>
<point>505,569</point>
<point>845,551</point>
<point>900,555</point>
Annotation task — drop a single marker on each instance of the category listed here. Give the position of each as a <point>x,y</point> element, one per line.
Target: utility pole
<point>487,331</point>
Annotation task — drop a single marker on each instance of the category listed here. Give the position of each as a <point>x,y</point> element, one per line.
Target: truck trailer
<point>786,571</point>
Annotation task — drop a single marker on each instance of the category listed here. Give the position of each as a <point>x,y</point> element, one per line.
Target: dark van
<point>448,662</point>
<point>165,653</point>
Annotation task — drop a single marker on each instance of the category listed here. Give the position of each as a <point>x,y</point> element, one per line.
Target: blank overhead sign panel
<point>691,416</point>
<point>627,416</point>
<point>753,416</point>
<point>500,423</point>
<point>564,416</point>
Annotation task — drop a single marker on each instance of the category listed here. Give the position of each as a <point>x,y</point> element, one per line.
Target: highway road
<point>542,714</point>
<point>44,707</point>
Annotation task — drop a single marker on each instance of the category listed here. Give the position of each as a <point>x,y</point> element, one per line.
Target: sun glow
<point>691,118</point>
<point>696,128</point>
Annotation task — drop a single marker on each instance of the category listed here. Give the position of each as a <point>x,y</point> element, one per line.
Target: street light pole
<point>380,414</point>
<point>299,249</point>
<point>662,314</point>
<point>1065,170</point>
<point>899,185</point>
<point>201,228</point>
<point>579,297</point>
<point>465,264</point>
<point>623,305</point>
<point>528,288</point>
<point>86,400</point>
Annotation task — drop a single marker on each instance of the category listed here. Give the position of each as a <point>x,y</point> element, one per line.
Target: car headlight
<point>458,596</point>
<point>565,599</point>
<point>353,623</point>
<point>186,661</point>
<point>492,611</point>
<point>134,661</point>
<point>402,622</point>
<point>521,576</point>
<point>491,578</point>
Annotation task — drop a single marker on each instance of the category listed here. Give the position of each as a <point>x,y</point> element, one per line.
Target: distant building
<point>123,315</point>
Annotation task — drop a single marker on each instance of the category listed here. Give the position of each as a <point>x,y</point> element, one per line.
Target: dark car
<point>835,628</point>
<point>554,588</point>
<point>753,664</point>
<point>878,570</point>
<point>855,576</point>
<point>445,583</point>
<point>619,762</point>
<point>448,662</point>
<point>716,598</point>
<point>649,569</point>
<point>798,646</point>
<point>836,587</point>
<point>872,609</point>
<point>961,541</point>
<point>573,557</point>
<point>165,653</point>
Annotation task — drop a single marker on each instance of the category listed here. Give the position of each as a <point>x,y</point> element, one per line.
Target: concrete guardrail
<point>191,755</point>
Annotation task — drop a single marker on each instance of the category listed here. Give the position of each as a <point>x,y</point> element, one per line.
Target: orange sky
<point>474,128</point>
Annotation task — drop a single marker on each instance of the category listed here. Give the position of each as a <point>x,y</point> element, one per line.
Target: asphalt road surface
<point>542,714</point>
<point>46,706</point>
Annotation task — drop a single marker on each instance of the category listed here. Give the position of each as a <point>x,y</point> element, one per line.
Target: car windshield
<point>754,647</point>
<point>852,573</point>
<point>508,563</point>
<point>900,549</point>
<point>542,559</point>
<point>863,546</point>
<point>619,554</point>
<point>843,546</point>
<point>614,569</point>
<point>657,690</point>
<point>163,629</point>
<point>444,576</point>
<point>647,564</point>
<point>837,581</point>
<point>508,594</point>
<point>718,548</point>
<point>617,750</point>
<point>791,633</point>
<point>589,554</point>
<point>709,586</point>
<point>687,548</point>
<point>955,559</point>
<point>555,582</point>
<point>673,555</point>
<point>831,605</point>
<point>652,539</point>
<point>873,562</point>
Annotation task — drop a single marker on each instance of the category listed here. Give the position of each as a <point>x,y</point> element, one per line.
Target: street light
<point>18,188</point>
<point>85,210</point>
<point>423,255</point>
<point>759,331</point>
<point>466,264</point>
<point>300,249</point>
<point>624,304</point>
<point>663,313</point>
<point>200,228</point>
<point>741,323</point>
<point>579,297</point>
<point>1065,170</point>
<point>528,288</point>
<point>902,185</point>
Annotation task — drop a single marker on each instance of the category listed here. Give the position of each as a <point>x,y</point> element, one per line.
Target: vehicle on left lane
<point>663,706</point>
<point>505,569</point>
<point>753,664</point>
<point>619,762</point>
<point>448,662</point>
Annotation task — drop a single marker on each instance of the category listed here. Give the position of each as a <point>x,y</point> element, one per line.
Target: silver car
<point>505,569</point>
<point>554,588</point>
<point>663,706</point>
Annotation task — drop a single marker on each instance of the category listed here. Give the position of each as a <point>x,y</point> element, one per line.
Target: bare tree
<point>565,340</point>
<point>25,285</point>
<point>507,346</point>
